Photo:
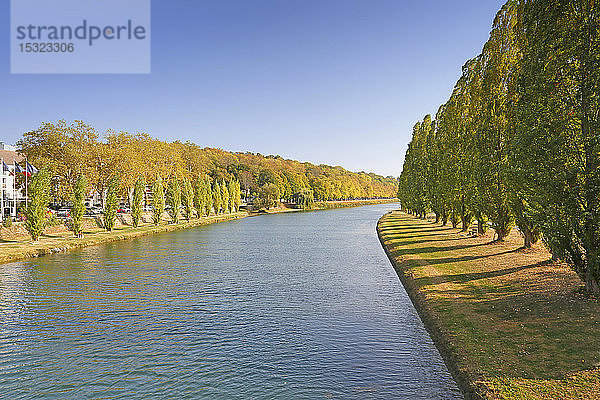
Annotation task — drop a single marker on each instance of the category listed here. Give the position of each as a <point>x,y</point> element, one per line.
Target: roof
<point>10,156</point>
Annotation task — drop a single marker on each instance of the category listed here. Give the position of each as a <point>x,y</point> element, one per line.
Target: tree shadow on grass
<point>435,249</point>
<point>395,229</point>
<point>472,276</point>
<point>449,260</point>
<point>411,242</point>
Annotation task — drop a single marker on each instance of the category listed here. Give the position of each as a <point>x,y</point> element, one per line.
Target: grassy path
<point>510,323</point>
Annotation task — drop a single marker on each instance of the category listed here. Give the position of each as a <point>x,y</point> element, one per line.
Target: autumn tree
<point>267,197</point>
<point>78,201</point>
<point>111,203</point>
<point>187,198</point>
<point>37,203</point>
<point>305,199</point>
<point>224,197</point>
<point>158,200</point>
<point>234,195</point>
<point>216,197</point>
<point>138,198</point>
<point>207,195</point>
<point>174,199</point>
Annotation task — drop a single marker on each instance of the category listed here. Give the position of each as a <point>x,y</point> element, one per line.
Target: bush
<point>51,219</point>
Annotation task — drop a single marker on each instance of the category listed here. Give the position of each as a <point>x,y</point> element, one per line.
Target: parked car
<point>93,211</point>
<point>123,210</point>
<point>63,212</point>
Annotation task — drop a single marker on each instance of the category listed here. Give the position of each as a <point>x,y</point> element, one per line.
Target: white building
<point>10,196</point>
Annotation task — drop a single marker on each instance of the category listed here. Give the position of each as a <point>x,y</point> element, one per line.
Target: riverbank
<point>61,240</point>
<point>509,323</point>
<point>327,205</point>
<point>15,243</point>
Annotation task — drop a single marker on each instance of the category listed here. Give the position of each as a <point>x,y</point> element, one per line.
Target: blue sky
<point>339,82</point>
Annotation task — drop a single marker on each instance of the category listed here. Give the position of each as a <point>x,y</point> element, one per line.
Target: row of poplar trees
<point>178,198</point>
<point>518,142</point>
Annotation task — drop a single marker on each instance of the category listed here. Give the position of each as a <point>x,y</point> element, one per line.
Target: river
<point>286,306</point>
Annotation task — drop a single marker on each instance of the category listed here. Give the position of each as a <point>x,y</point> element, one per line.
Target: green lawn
<point>515,324</point>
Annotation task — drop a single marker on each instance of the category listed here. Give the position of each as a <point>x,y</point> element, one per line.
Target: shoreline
<point>51,244</point>
<point>509,322</point>
<point>467,387</point>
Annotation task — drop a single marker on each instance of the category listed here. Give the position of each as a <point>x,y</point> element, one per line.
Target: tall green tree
<point>198,196</point>
<point>111,203</point>
<point>188,198</point>
<point>39,197</point>
<point>158,200</point>
<point>557,145</point>
<point>305,199</point>
<point>235,194</point>
<point>138,199</point>
<point>224,197</point>
<point>78,200</point>
<point>207,195</point>
<point>174,199</point>
<point>216,196</point>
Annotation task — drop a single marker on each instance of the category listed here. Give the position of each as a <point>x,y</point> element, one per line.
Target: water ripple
<point>301,306</point>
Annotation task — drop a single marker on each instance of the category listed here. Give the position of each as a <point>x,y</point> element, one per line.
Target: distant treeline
<point>518,142</point>
<point>71,150</point>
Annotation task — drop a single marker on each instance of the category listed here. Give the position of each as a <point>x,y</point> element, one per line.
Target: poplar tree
<point>234,195</point>
<point>238,195</point>
<point>207,195</point>
<point>78,200</point>
<point>216,197</point>
<point>305,199</point>
<point>158,200</point>
<point>111,203</point>
<point>138,199</point>
<point>37,203</point>
<point>199,196</point>
<point>174,199</point>
<point>188,198</point>
<point>557,145</point>
<point>224,197</point>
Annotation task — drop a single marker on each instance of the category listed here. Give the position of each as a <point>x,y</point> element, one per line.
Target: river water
<point>287,306</point>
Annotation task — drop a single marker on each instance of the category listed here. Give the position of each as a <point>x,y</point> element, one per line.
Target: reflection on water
<point>295,306</point>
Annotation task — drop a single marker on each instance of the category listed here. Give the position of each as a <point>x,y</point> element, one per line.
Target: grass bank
<point>510,323</point>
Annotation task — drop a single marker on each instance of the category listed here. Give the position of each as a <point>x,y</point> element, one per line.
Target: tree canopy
<point>72,149</point>
<point>517,143</point>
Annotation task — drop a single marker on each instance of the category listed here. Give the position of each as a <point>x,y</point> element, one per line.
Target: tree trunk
<point>591,284</point>
<point>530,236</point>
<point>481,224</point>
<point>465,217</point>
<point>502,234</point>
<point>527,237</point>
<point>466,222</point>
<point>454,219</point>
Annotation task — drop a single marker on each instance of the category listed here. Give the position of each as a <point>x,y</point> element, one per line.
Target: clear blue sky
<point>339,82</point>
